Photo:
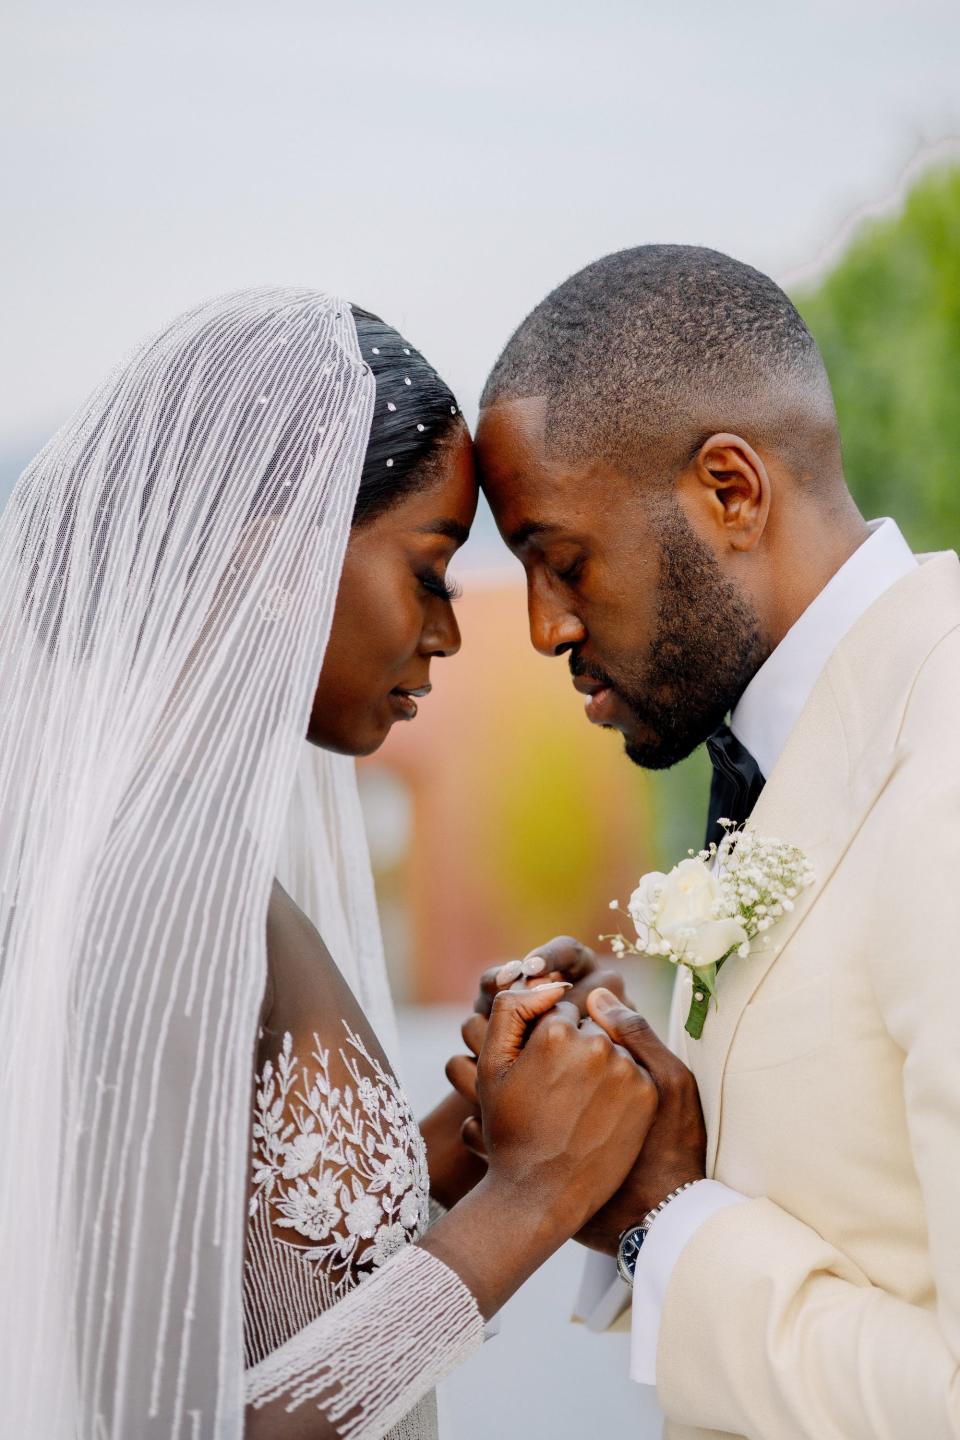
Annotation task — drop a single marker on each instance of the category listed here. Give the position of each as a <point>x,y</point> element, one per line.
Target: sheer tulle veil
<point>168,569</point>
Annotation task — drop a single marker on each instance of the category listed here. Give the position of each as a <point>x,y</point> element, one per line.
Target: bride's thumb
<point>512,1013</point>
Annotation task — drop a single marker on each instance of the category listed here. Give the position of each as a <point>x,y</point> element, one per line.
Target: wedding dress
<point>168,570</point>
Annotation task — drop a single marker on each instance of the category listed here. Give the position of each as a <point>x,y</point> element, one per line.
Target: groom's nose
<point>554,628</point>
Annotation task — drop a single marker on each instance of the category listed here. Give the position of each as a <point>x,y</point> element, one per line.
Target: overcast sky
<point>442,164</point>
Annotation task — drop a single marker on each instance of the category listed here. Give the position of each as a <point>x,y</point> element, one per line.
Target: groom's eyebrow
<point>526,532</point>
<point>452,529</point>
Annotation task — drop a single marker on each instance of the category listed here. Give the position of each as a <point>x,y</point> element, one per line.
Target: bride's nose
<point>441,634</point>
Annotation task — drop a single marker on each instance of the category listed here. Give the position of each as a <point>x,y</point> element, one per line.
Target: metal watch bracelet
<point>631,1240</point>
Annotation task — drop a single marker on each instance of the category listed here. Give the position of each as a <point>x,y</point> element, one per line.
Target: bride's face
<point>394,610</point>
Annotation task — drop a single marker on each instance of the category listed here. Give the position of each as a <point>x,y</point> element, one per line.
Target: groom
<point>659,445</point>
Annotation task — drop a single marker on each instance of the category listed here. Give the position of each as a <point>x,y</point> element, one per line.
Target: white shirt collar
<point>771,704</point>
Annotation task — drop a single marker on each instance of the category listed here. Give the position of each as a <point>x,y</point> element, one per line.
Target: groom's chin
<point>654,752</point>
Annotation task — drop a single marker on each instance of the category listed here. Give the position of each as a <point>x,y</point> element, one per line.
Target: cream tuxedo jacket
<point>829,1306</point>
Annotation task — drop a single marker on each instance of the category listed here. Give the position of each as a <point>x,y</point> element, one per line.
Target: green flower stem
<point>698,1012</point>
<point>704,985</point>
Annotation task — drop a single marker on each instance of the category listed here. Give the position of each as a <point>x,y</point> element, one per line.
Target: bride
<point>266,492</point>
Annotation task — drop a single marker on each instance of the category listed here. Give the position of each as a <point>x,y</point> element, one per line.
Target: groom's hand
<point>675,1149</point>
<point>562,958</point>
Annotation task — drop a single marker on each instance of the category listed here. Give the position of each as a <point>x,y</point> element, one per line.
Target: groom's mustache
<point>581,670</point>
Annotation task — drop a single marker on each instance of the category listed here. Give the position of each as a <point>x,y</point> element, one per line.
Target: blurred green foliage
<point>887,319</point>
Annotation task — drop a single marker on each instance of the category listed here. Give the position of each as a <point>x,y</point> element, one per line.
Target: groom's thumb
<point>628,1028</point>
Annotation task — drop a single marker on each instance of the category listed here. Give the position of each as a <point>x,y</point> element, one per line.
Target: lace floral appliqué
<point>344,1167</point>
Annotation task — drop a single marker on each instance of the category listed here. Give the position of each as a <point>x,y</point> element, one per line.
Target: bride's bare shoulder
<point>306,994</point>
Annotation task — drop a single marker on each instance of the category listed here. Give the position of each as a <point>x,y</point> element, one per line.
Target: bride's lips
<point>405,701</point>
<point>601,701</point>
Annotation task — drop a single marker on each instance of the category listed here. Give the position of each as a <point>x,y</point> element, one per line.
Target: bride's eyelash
<point>439,585</point>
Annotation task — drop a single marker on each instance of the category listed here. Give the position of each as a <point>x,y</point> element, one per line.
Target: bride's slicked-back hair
<point>415,412</point>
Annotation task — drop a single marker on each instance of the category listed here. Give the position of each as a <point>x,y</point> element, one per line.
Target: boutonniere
<point>712,906</point>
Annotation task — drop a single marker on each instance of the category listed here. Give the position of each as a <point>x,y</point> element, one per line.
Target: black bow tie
<point>736,785</point>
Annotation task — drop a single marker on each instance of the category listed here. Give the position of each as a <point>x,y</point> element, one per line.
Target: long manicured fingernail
<point>604,999</point>
<point>509,972</point>
<point>554,985</point>
<point>533,965</point>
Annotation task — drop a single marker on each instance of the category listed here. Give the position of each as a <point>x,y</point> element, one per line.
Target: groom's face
<point>618,580</point>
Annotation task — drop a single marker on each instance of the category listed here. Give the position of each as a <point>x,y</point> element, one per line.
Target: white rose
<point>712,940</point>
<point>643,905</point>
<point>684,914</point>
<point>688,896</point>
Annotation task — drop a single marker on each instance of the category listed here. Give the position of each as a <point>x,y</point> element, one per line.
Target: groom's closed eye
<point>570,572</point>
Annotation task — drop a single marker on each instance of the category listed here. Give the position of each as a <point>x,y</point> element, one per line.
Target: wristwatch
<point>631,1240</point>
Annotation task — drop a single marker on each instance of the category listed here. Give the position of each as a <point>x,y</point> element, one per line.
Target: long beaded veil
<point>168,570</point>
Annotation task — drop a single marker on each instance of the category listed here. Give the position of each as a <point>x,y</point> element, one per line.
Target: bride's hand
<point>564,1110</point>
<point>562,958</point>
<point>564,1113</point>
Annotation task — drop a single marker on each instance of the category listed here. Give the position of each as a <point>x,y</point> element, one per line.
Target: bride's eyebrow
<point>452,529</point>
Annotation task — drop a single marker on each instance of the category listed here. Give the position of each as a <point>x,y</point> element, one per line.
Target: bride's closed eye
<point>439,585</point>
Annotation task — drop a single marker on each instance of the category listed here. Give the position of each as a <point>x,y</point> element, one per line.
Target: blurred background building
<point>447,166</point>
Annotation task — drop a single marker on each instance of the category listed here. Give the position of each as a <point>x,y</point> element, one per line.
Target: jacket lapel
<point>836,763</point>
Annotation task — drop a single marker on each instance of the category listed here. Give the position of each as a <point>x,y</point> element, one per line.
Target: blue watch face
<point>629,1250</point>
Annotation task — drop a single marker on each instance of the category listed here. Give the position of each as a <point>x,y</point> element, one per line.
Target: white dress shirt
<point>764,716</point>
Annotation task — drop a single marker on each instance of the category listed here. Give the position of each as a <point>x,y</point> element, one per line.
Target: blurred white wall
<point>443,163</point>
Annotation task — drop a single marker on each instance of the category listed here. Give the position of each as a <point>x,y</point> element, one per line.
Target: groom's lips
<point>601,700</point>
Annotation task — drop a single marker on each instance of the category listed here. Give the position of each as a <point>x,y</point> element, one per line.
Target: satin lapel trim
<point>814,799</point>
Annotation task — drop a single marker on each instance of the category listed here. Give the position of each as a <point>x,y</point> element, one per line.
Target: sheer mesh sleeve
<point>342,1310</point>
<point>365,1363</point>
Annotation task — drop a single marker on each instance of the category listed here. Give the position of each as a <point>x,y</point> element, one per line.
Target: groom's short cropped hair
<point>644,354</point>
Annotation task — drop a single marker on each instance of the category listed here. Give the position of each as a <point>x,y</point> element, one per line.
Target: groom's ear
<point>734,486</point>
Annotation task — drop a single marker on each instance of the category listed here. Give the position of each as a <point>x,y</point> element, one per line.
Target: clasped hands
<point>674,1148</point>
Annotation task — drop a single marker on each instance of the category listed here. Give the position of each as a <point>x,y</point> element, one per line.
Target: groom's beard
<point>706,650</point>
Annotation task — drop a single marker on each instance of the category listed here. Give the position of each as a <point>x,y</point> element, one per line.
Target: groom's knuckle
<point>562,949</point>
<point>635,1030</point>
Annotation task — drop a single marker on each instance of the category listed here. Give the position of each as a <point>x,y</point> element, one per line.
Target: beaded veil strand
<point>168,570</point>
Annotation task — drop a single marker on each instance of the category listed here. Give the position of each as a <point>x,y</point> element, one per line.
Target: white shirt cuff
<point>666,1238</point>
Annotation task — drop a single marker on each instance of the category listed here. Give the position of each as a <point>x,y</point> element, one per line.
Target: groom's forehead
<point>513,457</point>
<point>512,437</point>
<point>525,484</point>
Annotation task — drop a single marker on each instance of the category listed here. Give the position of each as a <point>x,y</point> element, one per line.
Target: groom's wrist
<point>632,1239</point>
<point>668,1183</point>
<point>635,1199</point>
